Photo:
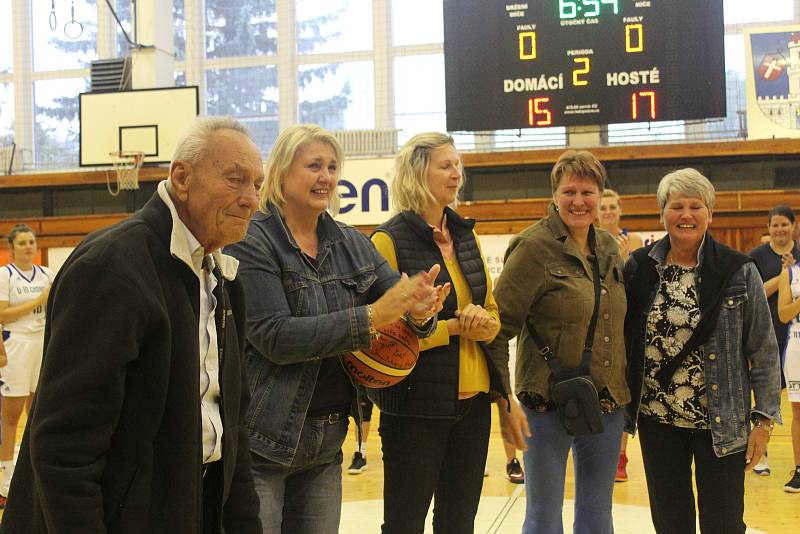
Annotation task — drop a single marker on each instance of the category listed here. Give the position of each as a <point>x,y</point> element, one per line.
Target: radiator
<point>367,142</point>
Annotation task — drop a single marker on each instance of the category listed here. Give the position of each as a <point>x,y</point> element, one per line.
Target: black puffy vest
<point>431,390</point>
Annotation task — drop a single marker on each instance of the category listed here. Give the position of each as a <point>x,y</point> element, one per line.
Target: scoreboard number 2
<point>577,72</point>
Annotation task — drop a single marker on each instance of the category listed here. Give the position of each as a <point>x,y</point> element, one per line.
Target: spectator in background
<point>24,287</point>
<point>609,219</point>
<point>359,463</point>
<point>771,258</point>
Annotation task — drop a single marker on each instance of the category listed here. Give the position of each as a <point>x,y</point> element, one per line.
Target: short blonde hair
<point>578,163</point>
<point>282,155</point>
<point>688,183</point>
<point>410,191</point>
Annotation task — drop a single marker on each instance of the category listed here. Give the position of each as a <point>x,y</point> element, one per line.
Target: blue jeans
<point>595,460</point>
<point>305,497</point>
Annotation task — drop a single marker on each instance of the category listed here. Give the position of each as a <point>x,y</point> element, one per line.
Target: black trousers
<point>668,452</point>
<point>212,498</point>
<point>442,457</point>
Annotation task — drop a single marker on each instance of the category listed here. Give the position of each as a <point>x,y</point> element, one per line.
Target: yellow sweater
<point>473,375</point>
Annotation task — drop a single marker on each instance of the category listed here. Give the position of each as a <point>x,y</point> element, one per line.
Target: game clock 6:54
<point>570,9</point>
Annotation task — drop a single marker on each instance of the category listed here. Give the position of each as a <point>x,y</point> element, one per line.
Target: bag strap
<point>544,349</point>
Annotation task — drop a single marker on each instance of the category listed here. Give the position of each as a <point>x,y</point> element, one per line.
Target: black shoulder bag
<point>571,390</point>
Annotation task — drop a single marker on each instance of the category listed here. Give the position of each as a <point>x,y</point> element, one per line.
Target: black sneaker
<point>793,486</point>
<point>358,465</point>
<point>514,472</point>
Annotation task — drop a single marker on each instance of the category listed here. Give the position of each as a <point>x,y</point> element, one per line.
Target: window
<point>72,45</point>
<point>337,96</point>
<point>123,10</point>
<point>6,42</point>
<point>333,26</point>
<point>56,121</point>
<point>744,11</point>
<point>733,124</point>
<point>419,103</point>
<point>244,28</point>
<point>651,132</point>
<point>417,22</point>
<point>6,114</point>
<point>248,94</point>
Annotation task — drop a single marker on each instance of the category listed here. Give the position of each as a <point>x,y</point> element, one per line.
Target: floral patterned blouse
<point>672,319</point>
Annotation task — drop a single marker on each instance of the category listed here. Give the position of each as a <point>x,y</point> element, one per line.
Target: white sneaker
<point>762,467</point>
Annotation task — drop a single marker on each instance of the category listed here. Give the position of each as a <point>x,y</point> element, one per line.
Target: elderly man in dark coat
<point>137,426</point>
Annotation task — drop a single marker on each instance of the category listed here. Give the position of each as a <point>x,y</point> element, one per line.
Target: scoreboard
<point>544,63</point>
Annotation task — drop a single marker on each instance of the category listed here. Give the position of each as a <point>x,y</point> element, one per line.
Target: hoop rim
<point>135,154</point>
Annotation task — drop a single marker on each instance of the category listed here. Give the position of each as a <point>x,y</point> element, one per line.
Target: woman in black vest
<point>434,425</point>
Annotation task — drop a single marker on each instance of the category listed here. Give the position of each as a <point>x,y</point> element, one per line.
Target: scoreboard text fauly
<point>546,63</point>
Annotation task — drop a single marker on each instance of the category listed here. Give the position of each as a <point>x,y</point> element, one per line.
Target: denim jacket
<point>740,356</point>
<point>297,314</point>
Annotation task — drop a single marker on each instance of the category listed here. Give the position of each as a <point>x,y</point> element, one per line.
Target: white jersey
<point>794,285</point>
<point>791,363</point>
<point>18,288</point>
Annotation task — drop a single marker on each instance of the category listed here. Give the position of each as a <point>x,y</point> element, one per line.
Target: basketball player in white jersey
<point>24,287</point>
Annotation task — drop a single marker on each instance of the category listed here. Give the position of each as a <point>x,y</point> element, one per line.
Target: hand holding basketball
<point>388,360</point>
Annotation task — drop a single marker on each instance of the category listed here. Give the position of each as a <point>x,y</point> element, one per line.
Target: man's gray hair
<point>194,140</point>
<point>687,183</point>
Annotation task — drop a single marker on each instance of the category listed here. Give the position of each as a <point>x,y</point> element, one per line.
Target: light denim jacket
<point>298,314</point>
<point>740,356</point>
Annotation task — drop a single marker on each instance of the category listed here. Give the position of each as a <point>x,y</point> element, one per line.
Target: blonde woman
<point>315,289</point>
<point>609,219</point>
<point>434,426</point>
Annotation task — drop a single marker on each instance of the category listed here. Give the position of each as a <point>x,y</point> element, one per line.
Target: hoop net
<point>126,165</point>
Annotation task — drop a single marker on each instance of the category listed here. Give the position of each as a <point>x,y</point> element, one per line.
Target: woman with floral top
<point>699,339</point>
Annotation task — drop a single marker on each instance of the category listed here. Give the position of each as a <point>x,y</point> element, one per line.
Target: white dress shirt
<point>185,247</point>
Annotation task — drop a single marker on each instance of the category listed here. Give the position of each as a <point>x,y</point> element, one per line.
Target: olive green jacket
<point>547,278</point>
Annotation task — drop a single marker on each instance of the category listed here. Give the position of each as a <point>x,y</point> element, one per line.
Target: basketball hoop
<point>127,164</point>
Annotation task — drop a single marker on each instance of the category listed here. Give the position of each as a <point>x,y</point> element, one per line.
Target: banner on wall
<point>772,78</point>
<point>364,190</point>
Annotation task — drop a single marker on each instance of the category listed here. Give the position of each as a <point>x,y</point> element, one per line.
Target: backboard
<point>144,120</point>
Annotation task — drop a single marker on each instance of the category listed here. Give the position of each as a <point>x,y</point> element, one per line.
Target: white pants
<point>24,363</point>
<point>791,364</point>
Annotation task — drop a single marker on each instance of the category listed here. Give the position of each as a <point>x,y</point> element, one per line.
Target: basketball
<point>389,359</point>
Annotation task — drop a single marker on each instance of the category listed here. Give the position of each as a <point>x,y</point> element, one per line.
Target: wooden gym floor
<point>768,508</point>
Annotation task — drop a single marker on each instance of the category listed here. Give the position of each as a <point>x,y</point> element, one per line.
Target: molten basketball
<point>389,359</point>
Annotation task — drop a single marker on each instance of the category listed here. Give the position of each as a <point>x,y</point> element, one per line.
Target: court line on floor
<point>505,510</point>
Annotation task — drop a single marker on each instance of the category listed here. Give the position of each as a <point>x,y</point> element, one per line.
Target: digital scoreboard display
<point>544,63</point>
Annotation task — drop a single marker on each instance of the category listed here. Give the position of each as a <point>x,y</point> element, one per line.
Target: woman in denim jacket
<point>316,289</point>
<point>699,339</point>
